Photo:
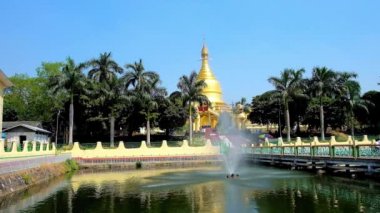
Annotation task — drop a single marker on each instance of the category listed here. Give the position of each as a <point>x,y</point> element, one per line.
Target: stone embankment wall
<point>13,182</point>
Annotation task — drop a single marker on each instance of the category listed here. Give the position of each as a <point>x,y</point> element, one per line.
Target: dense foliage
<point>328,97</point>
<point>106,99</point>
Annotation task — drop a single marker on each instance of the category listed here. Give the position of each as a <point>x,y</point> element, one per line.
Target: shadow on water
<point>258,189</point>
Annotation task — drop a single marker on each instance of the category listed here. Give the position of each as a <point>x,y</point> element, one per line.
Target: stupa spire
<point>205,72</point>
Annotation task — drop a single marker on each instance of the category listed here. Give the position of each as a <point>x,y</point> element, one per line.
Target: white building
<point>24,132</point>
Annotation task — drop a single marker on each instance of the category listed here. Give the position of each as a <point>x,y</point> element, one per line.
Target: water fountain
<point>231,141</point>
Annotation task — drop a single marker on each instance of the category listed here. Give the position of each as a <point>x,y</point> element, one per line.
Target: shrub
<point>27,178</point>
<point>339,136</point>
<point>71,165</point>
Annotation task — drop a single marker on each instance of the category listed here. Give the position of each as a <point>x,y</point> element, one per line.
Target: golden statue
<point>207,115</point>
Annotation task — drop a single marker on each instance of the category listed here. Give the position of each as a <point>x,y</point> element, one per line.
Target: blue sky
<point>248,41</point>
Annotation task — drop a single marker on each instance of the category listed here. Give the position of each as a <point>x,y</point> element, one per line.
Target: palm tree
<point>138,77</point>
<point>350,93</point>
<point>108,99</point>
<point>149,100</point>
<point>104,68</point>
<point>323,84</point>
<point>145,88</point>
<point>70,81</point>
<point>104,72</point>
<point>287,86</point>
<point>190,90</point>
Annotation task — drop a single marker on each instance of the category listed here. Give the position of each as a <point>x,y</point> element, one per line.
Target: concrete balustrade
<point>14,153</point>
<point>364,149</point>
<point>316,142</point>
<point>144,150</point>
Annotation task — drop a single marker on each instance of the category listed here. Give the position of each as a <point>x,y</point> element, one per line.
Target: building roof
<point>4,80</point>
<point>33,128</point>
<point>9,124</point>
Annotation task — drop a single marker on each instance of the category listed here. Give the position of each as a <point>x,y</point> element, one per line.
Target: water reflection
<point>201,190</point>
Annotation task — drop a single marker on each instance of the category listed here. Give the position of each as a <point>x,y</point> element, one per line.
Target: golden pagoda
<point>207,116</point>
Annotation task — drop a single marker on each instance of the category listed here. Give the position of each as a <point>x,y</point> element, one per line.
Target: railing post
<point>34,146</point>
<point>354,151</point>
<point>2,146</point>
<point>25,147</point>
<point>14,147</point>
<point>312,151</point>
<point>333,151</point>
<point>357,148</point>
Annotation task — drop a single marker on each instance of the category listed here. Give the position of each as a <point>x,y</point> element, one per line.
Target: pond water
<point>258,189</point>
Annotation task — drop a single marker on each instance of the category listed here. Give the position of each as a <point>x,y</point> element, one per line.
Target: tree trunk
<point>191,125</point>
<point>148,132</point>
<point>287,117</point>
<point>57,128</point>
<point>352,126</point>
<point>322,119</point>
<point>71,120</point>
<point>112,130</point>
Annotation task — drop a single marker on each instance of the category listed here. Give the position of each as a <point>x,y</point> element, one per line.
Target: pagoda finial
<point>204,51</point>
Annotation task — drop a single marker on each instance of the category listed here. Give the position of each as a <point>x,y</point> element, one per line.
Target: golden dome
<point>213,90</point>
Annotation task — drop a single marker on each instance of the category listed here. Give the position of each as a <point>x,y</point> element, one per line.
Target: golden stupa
<point>207,116</point>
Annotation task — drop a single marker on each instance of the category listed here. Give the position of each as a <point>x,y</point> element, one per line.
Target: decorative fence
<point>29,149</point>
<point>143,151</point>
<point>364,149</point>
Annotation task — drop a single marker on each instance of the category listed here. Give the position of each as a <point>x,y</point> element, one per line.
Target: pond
<point>257,189</point>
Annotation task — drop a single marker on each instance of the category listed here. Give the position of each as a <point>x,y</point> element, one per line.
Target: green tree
<point>109,92</point>
<point>104,68</point>
<point>145,85</point>
<point>137,77</point>
<point>70,81</point>
<point>350,93</point>
<point>374,110</point>
<point>322,85</point>
<point>107,100</point>
<point>173,115</point>
<point>149,100</point>
<point>190,91</point>
<point>265,109</point>
<point>29,99</point>
<point>288,85</point>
